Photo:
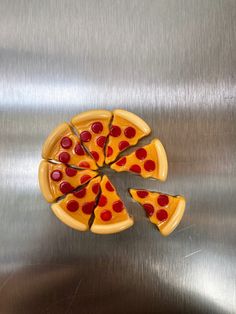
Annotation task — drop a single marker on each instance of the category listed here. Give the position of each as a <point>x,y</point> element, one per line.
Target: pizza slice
<point>93,128</point>
<point>76,209</point>
<point>165,211</point>
<point>62,145</point>
<point>126,130</point>
<point>111,216</point>
<point>58,179</point>
<point>147,161</point>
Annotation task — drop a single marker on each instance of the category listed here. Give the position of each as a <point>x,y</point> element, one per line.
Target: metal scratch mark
<point>73,297</point>
<point>185,228</point>
<point>6,281</point>
<point>193,253</point>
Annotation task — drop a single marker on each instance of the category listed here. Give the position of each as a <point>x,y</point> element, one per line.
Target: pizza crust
<point>162,160</point>
<point>112,228</point>
<point>44,181</point>
<point>91,115</point>
<point>55,136</point>
<point>67,219</point>
<point>175,218</point>
<point>134,119</point>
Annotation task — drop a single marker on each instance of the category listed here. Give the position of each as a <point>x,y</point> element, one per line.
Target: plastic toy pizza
<point>82,198</point>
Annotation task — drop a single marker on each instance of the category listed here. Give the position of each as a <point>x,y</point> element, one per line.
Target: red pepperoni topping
<point>66,142</point>
<point>121,162</point>
<point>96,188</point>
<point>71,172</point>
<point>115,131</point>
<point>102,201</point>
<point>66,187</point>
<point>84,164</point>
<point>162,215</point>
<point>101,141</point>
<point>64,157</point>
<point>109,187</point>
<point>97,127</point>
<point>87,208</point>
<point>149,209</point>
<point>118,206</point>
<point>163,200</point>
<point>106,215</point>
<point>85,136</point>
<point>123,145</point>
<point>81,193</point>
<point>85,178</point>
<point>79,150</point>
<point>109,151</point>
<point>95,155</point>
<point>149,165</point>
<point>135,168</point>
<point>130,132</point>
<point>72,206</point>
<point>56,175</point>
<point>141,153</point>
<point>142,193</point>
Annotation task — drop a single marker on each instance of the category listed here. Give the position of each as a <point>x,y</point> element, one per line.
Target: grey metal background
<point>173,63</point>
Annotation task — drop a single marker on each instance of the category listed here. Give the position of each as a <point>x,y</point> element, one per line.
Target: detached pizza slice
<point>165,211</point>
<point>111,216</point>
<point>93,128</point>
<point>76,209</point>
<point>147,161</point>
<point>62,145</point>
<point>126,130</point>
<point>58,179</point>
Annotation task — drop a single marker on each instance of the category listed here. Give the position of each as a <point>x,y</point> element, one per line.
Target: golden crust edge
<point>113,228</point>
<point>89,115</point>
<point>162,160</point>
<point>44,181</point>
<point>67,219</point>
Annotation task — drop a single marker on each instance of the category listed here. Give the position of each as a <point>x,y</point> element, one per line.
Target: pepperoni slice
<point>109,151</point>
<point>123,145</point>
<point>109,187</point>
<point>66,142</point>
<point>135,168</point>
<point>162,215</point>
<point>64,157</point>
<point>56,175</point>
<point>71,172</point>
<point>130,132</point>
<point>79,150</point>
<point>115,131</point>
<point>102,200</point>
<point>141,153</point>
<point>72,206</point>
<point>149,209</point>
<point>106,215</point>
<point>97,127</point>
<point>149,165</point>
<point>96,188</point>
<point>95,155</point>
<point>84,164</point>
<point>142,193</point>
<point>85,136</point>
<point>66,187</point>
<point>163,200</point>
<point>118,206</point>
<point>85,178</point>
<point>121,162</point>
<point>81,193</point>
<point>101,141</point>
<point>87,208</point>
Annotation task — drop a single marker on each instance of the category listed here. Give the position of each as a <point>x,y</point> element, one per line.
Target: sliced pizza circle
<point>165,211</point>
<point>111,216</point>
<point>93,128</point>
<point>56,180</point>
<point>126,130</point>
<point>149,161</point>
<point>64,146</point>
<point>76,209</point>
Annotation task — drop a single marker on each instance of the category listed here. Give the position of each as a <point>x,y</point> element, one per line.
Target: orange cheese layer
<point>76,208</point>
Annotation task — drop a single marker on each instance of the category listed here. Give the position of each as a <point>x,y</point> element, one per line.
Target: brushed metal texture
<point>174,64</point>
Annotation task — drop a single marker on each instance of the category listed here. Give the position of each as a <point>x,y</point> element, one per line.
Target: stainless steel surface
<point>173,63</point>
